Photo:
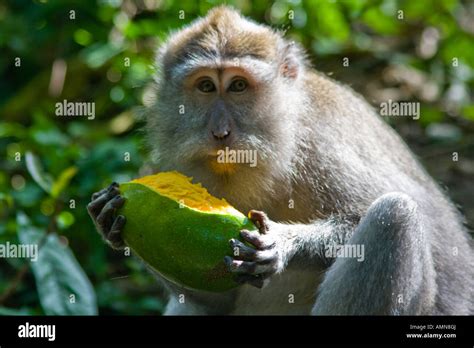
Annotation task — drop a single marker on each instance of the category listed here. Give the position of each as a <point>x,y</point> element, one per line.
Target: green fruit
<point>180,230</point>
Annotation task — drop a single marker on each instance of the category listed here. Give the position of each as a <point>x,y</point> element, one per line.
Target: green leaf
<point>98,54</point>
<point>6,199</point>
<point>35,168</point>
<point>57,273</point>
<point>332,22</point>
<point>377,20</point>
<point>468,112</point>
<point>63,180</point>
<point>12,130</point>
<point>430,115</point>
<point>458,46</point>
<point>45,137</point>
<point>65,219</point>
<point>15,311</point>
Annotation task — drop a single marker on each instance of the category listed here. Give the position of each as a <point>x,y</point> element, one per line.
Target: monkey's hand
<point>254,265</point>
<point>102,210</point>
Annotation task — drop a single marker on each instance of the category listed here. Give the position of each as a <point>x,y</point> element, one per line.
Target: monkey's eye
<point>206,86</point>
<point>238,85</point>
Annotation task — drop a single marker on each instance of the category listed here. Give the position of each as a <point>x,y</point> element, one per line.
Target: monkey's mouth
<point>219,164</point>
<point>228,160</point>
<point>222,168</point>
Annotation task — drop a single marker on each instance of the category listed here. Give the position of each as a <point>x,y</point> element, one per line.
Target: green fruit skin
<point>184,245</point>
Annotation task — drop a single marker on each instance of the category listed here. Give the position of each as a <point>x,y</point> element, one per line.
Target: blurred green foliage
<point>49,166</point>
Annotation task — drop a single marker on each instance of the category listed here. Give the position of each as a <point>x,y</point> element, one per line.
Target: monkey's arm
<point>311,242</point>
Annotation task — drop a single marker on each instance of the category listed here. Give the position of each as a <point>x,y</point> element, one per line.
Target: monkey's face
<point>228,95</point>
<point>227,108</point>
<point>224,117</point>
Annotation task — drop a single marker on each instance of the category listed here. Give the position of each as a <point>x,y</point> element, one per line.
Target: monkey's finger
<point>95,207</point>
<point>260,219</point>
<point>101,192</point>
<point>256,239</point>
<point>242,252</point>
<point>106,216</point>
<point>114,236</point>
<point>245,253</point>
<point>244,267</point>
<point>112,187</point>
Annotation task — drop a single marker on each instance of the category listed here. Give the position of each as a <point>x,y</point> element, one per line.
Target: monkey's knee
<point>392,227</point>
<point>396,273</point>
<point>396,243</point>
<point>392,216</point>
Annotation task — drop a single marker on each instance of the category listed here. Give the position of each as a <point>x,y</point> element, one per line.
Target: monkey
<point>331,173</point>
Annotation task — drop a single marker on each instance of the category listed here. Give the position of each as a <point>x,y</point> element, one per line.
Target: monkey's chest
<point>291,292</point>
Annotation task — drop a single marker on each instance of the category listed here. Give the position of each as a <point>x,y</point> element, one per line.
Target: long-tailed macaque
<point>331,178</point>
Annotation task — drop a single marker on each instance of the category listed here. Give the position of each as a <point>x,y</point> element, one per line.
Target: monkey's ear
<point>291,61</point>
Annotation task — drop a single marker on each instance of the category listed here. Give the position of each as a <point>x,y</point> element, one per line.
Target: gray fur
<point>322,146</point>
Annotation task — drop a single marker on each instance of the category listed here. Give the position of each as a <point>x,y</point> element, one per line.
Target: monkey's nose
<point>221,134</point>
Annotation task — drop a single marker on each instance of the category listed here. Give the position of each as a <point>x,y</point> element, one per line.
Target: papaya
<point>180,230</point>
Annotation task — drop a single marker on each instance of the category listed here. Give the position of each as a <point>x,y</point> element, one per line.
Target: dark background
<point>427,56</point>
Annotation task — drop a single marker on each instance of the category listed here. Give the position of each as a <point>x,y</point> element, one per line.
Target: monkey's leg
<point>396,275</point>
